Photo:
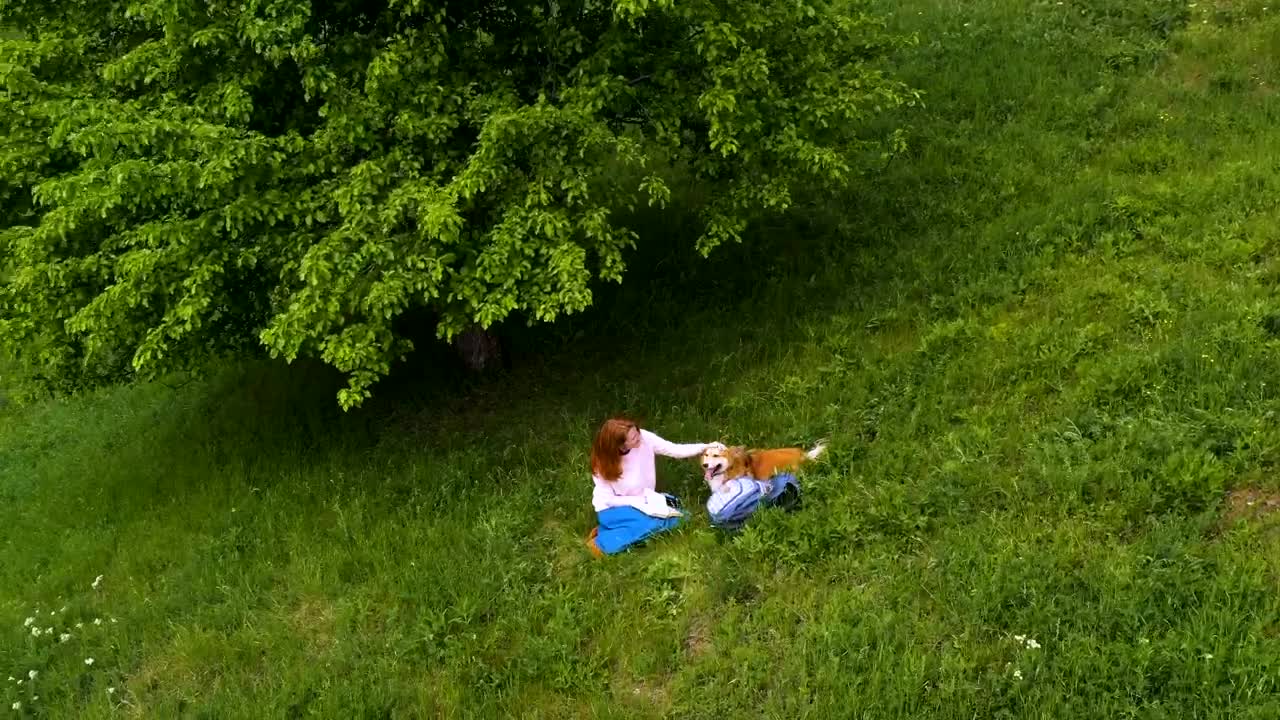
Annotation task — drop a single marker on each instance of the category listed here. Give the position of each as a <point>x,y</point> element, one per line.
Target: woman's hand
<point>664,511</point>
<point>657,505</point>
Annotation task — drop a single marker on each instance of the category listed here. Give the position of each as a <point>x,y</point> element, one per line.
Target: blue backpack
<point>740,498</point>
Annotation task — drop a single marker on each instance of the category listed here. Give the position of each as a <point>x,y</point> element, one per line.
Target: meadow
<point>1042,345</point>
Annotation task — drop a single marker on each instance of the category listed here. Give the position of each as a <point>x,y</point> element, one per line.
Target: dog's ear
<point>738,462</point>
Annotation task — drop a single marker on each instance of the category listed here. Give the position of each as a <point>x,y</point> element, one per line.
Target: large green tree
<point>181,179</point>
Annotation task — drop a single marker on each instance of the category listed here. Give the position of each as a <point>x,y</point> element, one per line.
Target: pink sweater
<point>637,484</point>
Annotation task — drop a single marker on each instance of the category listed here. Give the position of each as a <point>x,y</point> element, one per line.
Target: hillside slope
<point>1042,346</point>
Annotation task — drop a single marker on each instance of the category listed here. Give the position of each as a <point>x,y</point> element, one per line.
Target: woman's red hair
<point>606,451</point>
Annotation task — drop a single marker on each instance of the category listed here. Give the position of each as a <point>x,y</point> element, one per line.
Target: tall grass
<point>1043,347</point>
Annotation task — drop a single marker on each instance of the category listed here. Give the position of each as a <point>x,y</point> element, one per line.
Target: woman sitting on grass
<point>627,504</point>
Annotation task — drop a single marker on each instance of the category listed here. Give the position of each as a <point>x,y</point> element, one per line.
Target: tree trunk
<point>479,349</point>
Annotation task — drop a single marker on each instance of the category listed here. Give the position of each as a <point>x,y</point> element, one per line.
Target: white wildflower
<point>1029,643</point>
<point>31,674</point>
<point>52,613</point>
<point>64,609</point>
<point>1208,656</point>
<point>96,581</point>
<point>97,621</point>
<point>1017,674</point>
<point>16,706</point>
<point>79,625</point>
<point>113,621</point>
<point>35,632</point>
<point>1143,641</point>
<point>48,631</point>
<point>28,621</point>
<point>20,681</point>
<point>64,637</point>
<point>88,661</point>
<point>34,698</point>
<point>111,691</point>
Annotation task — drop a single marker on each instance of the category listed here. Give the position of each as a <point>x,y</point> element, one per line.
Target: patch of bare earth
<point>313,620</point>
<point>651,695</point>
<point>1250,505</point>
<point>170,674</point>
<point>698,640</point>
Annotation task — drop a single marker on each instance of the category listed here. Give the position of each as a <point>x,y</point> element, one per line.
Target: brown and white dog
<point>721,464</point>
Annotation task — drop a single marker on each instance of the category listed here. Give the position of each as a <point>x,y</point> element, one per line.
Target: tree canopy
<point>182,180</point>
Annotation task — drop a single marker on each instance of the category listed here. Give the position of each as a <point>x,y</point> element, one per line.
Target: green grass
<point>1043,346</point>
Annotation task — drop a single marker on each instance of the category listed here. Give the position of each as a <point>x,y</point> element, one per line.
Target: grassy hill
<point>1044,349</point>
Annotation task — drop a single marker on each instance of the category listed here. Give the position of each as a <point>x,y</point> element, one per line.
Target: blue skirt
<point>624,527</point>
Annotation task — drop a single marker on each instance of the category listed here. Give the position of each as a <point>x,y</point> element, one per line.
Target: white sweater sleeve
<point>650,503</point>
<point>670,449</point>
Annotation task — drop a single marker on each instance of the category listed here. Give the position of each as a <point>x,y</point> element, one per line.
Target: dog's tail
<point>816,451</point>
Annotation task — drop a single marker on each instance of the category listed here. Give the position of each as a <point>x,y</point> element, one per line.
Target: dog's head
<point>721,463</point>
